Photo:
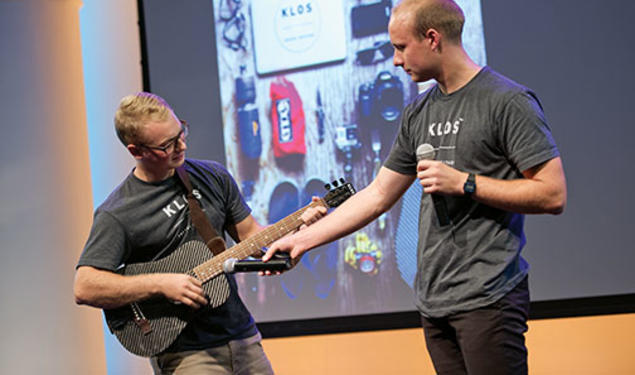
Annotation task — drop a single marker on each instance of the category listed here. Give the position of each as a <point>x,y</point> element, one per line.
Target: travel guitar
<point>148,327</point>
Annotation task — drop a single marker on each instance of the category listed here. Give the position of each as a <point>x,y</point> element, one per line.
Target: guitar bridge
<point>140,320</point>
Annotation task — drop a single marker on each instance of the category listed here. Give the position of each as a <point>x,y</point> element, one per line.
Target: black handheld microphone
<point>425,151</point>
<point>233,265</point>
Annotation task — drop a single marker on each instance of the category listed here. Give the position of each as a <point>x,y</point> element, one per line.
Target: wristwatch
<point>469,187</point>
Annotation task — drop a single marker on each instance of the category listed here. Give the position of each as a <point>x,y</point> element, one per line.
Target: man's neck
<point>148,175</point>
<point>457,70</point>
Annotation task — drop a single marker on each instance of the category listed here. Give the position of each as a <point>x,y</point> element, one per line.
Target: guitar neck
<point>254,244</point>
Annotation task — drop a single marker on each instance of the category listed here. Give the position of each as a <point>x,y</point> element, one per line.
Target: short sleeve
<point>402,156</point>
<point>236,208</point>
<point>106,244</point>
<point>525,133</point>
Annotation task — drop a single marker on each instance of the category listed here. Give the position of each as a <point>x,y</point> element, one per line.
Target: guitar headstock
<point>339,191</point>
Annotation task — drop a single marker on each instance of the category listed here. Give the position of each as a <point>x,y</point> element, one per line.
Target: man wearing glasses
<point>146,218</point>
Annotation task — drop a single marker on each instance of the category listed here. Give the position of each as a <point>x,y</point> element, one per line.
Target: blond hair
<point>137,109</point>
<point>443,15</point>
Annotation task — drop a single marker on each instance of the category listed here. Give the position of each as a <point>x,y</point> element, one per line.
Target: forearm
<point>356,212</point>
<point>543,190</point>
<point>525,196</point>
<point>344,220</point>
<point>105,289</point>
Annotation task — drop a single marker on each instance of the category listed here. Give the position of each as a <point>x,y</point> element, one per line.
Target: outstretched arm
<point>356,212</point>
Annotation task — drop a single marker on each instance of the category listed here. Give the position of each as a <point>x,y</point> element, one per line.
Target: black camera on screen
<point>382,100</point>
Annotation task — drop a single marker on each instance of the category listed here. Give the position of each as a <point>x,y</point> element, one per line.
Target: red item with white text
<point>287,119</point>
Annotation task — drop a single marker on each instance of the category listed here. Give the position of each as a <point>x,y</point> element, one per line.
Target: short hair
<point>137,109</point>
<point>443,15</point>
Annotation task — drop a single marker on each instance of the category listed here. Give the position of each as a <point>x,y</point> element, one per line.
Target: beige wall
<point>45,178</point>
<point>46,189</point>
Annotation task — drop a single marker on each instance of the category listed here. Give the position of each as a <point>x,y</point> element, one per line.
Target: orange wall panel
<point>590,345</point>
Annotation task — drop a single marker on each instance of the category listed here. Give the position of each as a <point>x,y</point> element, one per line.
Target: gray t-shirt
<point>142,221</point>
<point>492,127</point>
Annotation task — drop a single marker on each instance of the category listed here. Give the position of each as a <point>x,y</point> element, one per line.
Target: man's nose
<point>396,59</point>
<point>180,144</point>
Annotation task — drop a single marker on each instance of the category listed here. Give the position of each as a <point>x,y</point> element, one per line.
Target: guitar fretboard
<point>253,244</point>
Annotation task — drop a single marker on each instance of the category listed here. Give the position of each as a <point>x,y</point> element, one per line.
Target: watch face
<point>469,187</point>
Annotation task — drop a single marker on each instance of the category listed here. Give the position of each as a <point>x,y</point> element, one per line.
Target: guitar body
<point>164,320</point>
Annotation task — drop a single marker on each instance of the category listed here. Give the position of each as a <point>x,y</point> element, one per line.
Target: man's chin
<point>413,76</point>
<point>179,160</point>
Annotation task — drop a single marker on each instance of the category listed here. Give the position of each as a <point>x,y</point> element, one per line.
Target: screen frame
<point>541,309</point>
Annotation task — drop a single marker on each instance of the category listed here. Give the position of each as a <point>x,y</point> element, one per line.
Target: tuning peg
<point>335,183</point>
<point>342,180</point>
<point>327,186</point>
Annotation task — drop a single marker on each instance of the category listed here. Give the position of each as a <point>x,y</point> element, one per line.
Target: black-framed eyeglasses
<point>170,145</point>
<point>368,56</point>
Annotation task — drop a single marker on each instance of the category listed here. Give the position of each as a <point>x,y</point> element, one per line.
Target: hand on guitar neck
<point>313,212</point>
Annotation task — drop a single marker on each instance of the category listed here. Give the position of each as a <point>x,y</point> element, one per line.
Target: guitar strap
<point>213,241</point>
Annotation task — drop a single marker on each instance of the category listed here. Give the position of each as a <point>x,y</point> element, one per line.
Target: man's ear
<point>434,38</point>
<point>135,151</point>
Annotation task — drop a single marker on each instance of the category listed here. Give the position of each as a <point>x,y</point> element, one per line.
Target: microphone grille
<point>425,151</point>
<point>228,265</point>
